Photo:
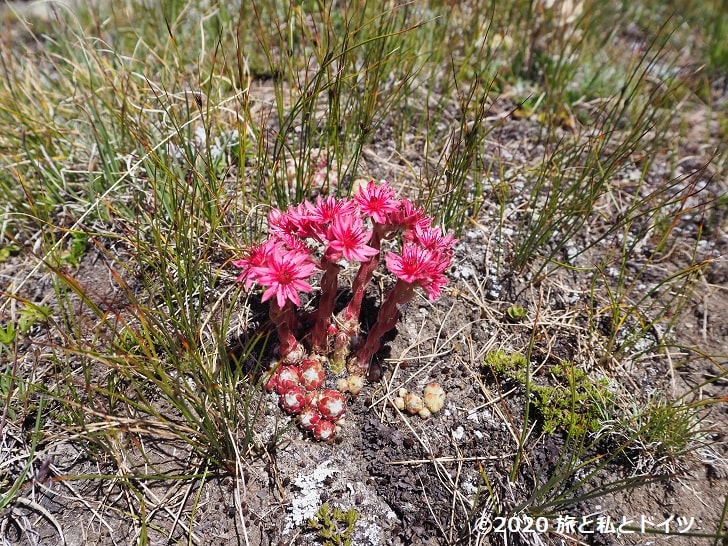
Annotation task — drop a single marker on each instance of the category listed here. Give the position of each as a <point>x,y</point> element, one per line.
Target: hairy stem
<point>322,316</point>
<point>386,320</point>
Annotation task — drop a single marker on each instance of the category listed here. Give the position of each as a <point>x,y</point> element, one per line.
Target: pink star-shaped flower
<point>431,238</point>
<point>413,265</point>
<point>348,238</point>
<point>419,265</point>
<point>284,274</point>
<point>377,201</point>
<point>326,210</point>
<point>256,256</point>
<point>407,216</point>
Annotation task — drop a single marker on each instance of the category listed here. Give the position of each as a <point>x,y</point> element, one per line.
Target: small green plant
<point>7,334</point>
<point>335,526</point>
<point>512,365</point>
<point>8,250</point>
<point>516,313</point>
<point>76,249</point>
<point>574,403</point>
<point>30,315</point>
<point>662,431</point>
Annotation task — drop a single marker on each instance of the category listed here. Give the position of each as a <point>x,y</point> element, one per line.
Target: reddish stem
<point>284,319</point>
<point>386,320</point>
<point>364,276</point>
<point>322,316</point>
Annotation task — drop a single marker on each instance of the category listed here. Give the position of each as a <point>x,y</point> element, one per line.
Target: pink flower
<point>419,265</point>
<point>296,222</point>
<point>327,210</point>
<point>431,238</point>
<point>347,237</point>
<point>407,216</point>
<point>257,255</point>
<point>377,201</point>
<point>434,285</point>
<point>284,274</point>
<point>280,222</point>
<point>413,265</point>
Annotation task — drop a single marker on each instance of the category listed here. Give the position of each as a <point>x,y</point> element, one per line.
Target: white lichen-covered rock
<point>308,499</point>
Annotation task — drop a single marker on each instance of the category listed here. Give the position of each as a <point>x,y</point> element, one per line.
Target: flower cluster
<point>328,235</point>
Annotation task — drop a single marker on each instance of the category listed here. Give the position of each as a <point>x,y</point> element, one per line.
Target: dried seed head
<point>434,397</point>
<point>413,403</point>
<point>294,400</point>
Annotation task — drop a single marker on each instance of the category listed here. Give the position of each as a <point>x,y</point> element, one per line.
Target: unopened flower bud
<point>271,383</point>
<point>341,341</point>
<point>398,403</point>
<point>342,384</point>
<point>309,417</point>
<point>434,397</point>
<point>297,354</point>
<point>424,413</point>
<point>312,398</point>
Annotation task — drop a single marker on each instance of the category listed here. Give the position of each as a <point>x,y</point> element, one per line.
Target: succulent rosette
<point>323,237</point>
